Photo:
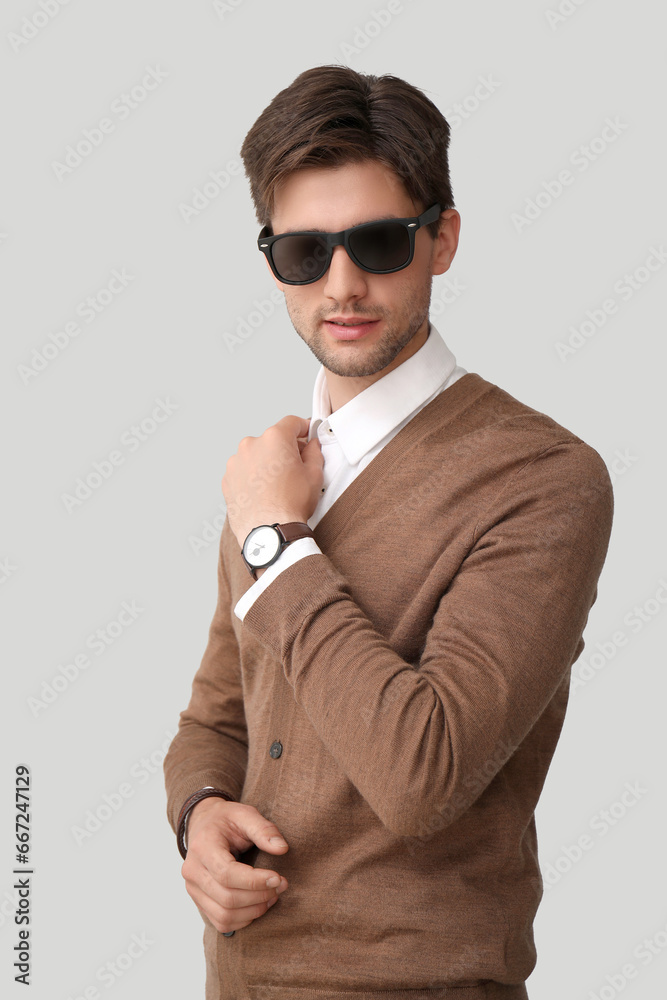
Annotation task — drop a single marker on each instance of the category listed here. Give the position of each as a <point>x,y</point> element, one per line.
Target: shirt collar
<point>362,422</point>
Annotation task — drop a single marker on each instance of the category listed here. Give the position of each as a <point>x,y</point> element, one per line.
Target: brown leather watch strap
<point>295,529</point>
<point>203,793</point>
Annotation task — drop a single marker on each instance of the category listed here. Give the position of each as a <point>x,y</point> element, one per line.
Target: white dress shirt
<point>351,437</point>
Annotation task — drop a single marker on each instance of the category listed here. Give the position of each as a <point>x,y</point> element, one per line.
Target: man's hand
<point>273,478</point>
<point>228,892</point>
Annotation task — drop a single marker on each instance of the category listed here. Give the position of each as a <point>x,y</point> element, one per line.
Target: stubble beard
<point>346,358</point>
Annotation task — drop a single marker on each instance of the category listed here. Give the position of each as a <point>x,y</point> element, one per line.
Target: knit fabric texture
<point>416,676</point>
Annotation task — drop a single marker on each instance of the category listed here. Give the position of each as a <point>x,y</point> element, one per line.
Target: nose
<point>343,279</point>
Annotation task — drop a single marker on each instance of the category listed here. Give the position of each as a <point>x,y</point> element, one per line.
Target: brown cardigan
<point>416,675</point>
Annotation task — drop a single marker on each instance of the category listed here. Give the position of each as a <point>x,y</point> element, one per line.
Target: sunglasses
<point>378,247</point>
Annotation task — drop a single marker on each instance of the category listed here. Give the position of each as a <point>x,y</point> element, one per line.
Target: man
<point>403,584</point>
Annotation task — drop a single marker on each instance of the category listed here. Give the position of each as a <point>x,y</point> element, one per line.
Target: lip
<point>350,332</point>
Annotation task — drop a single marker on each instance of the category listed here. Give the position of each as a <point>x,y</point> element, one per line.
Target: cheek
<point>424,252</point>
<point>301,303</point>
<point>400,289</point>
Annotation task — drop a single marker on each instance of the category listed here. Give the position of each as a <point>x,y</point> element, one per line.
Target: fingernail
<point>271,902</point>
<point>273,881</point>
<point>278,841</point>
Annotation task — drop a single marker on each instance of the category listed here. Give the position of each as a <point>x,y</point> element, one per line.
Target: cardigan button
<point>276,749</point>
<point>228,933</point>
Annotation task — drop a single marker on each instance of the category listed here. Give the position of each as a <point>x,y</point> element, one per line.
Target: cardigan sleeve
<point>211,745</point>
<point>422,741</point>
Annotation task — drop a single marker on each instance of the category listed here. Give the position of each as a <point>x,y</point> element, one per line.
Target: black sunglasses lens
<point>300,257</point>
<point>381,247</point>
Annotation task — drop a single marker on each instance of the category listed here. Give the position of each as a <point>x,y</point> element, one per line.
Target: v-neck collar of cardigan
<point>439,414</point>
<point>362,422</point>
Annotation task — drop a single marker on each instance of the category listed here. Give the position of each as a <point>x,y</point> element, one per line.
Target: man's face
<point>335,198</point>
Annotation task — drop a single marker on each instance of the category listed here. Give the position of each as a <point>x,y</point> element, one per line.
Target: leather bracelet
<point>203,793</point>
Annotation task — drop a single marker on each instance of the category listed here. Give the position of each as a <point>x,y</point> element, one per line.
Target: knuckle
<point>217,871</point>
<point>225,897</point>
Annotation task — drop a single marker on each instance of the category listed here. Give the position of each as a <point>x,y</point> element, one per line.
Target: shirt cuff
<point>296,550</point>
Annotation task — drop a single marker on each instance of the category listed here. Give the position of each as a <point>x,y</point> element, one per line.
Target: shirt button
<point>228,933</point>
<point>276,749</point>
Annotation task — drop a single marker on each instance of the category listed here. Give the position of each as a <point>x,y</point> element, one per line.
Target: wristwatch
<point>264,543</point>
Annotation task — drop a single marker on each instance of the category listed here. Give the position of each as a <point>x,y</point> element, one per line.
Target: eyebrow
<point>384,218</point>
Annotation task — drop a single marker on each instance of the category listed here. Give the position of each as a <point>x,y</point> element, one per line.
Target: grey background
<point>163,337</point>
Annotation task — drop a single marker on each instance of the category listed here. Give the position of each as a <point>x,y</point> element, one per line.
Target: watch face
<point>261,545</point>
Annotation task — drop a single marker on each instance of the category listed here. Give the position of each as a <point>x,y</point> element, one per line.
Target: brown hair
<point>331,115</point>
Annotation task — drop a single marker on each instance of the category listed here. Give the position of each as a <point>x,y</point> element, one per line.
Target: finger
<point>217,881</point>
<point>237,889</point>
<point>229,899</point>
<point>226,919</point>
<point>199,878</point>
<point>206,906</point>
<point>297,426</point>
<point>224,870</point>
<point>311,455</point>
<point>241,876</point>
<point>261,832</point>
<point>235,899</point>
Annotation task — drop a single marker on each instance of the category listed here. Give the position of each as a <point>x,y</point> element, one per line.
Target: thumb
<point>269,838</point>
<point>311,454</point>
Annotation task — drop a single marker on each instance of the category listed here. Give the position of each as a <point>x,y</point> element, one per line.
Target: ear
<point>447,241</point>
